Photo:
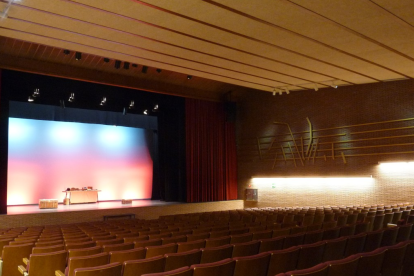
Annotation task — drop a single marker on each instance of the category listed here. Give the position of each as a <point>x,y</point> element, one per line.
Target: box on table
<point>127,201</point>
<point>48,203</point>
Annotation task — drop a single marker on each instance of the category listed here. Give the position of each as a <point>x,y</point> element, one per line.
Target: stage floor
<point>34,209</point>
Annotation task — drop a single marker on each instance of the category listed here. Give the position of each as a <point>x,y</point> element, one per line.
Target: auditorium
<point>206,137</point>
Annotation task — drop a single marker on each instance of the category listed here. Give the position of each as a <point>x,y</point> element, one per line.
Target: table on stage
<point>85,196</point>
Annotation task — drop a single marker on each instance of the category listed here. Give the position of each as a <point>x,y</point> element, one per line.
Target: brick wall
<point>328,110</point>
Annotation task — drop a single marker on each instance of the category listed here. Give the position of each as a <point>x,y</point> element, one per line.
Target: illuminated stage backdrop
<point>46,157</point>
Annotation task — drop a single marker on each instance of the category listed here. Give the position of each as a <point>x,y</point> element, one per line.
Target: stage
<point>31,215</point>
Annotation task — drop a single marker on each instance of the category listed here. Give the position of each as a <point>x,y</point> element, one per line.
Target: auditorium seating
<point>282,233</point>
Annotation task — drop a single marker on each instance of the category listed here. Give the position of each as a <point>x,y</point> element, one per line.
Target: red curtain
<point>210,153</point>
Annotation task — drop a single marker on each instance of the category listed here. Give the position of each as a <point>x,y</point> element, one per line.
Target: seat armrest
<point>22,270</point>
<point>1,266</point>
<point>59,273</point>
<point>25,261</point>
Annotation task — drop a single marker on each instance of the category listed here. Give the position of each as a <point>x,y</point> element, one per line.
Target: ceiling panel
<point>263,45</point>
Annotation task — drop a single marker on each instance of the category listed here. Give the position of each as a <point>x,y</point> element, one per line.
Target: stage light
<point>334,85</point>
<point>189,77</point>
<point>106,60</point>
<point>155,108</point>
<point>30,99</point>
<point>131,105</point>
<point>117,64</point>
<point>144,69</point>
<point>145,112</point>
<point>36,93</point>
<point>159,70</point>
<point>126,65</point>
<point>103,101</point>
<point>66,52</point>
<point>78,56</point>
<point>315,87</point>
<point>287,91</point>
<point>71,97</point>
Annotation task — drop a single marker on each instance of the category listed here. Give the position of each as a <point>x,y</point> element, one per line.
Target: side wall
<point>362,125</point>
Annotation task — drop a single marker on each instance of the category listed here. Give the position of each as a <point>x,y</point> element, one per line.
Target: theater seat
<point>221,268</point>
<point>114,269</point>
<point>252,265</point>
<point>177,260</point>
<point>144,266</point>
<point>44,263</point>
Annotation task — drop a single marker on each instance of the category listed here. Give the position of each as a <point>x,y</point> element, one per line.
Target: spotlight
<point>145,112</point>
<point>131,105</point>
<point>155,108</point>
<point>126,65</point>
<point>30,99</point>
<point>117,64</point>
<point>36,93</point>
<point>71,97</point>
<point>287,91</point>
<point>274,93</point>
<point>280,92</point>
<point>78,56</point>
<point>103,101</point>
<point>334,85</point>
<point>159,70</point>
<point>315,87</point>
<point>144,69</point>
<point>66,52</point>
<point>189,77</point>
<point>106,60</point>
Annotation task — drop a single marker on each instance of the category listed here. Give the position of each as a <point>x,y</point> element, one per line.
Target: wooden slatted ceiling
<point>293,44</point>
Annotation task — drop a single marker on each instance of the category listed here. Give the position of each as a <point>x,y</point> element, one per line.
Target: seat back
<point>370,263</point>
<point>393,259</point>
<point>84,251</point>
<point>126,255</point>
<point>246,249</point>
<point>317,270</point>
<point>80,245</point>
<point>177,260</point>
<point>187,246</point>
<point>86,261</point>
<point>215,254</point>
<point>334,249</point>
<point>13,257</point>
<point>114,269</point>
<point>252,265</point>
<point>355,244</point>
<point>157,250</point>
<point>144,266</point>
<point>217,241</point>
<point>390,236</point>
<point>147,243</point>
<point>221,268</point>
<point>47,249</point>
<point>310,255</point>
<point>343,267</point>
<point>174,239</point>
<point>117,247</point>
<point>312,237</point>
<point>246,237</point>
<point>47,263</point>
<point>331,233</point>
<point>183,271</point>
<point>283,260</point>
<point>293,240</point>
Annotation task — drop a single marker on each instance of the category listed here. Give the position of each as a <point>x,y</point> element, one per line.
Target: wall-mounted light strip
<point>317,184</point>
